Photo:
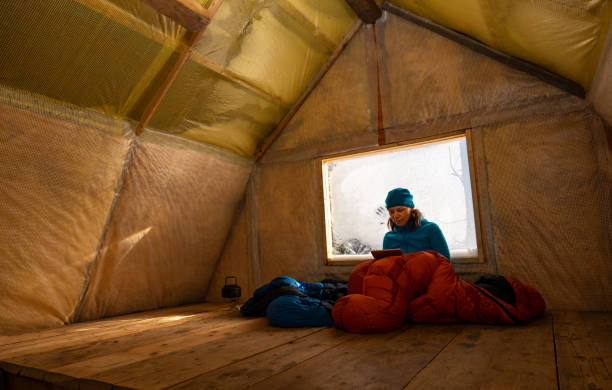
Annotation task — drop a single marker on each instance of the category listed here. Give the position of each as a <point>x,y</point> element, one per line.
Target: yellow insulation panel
<point>278,55</point>
<point>332,19</point>
<point>339,108</point>
<point>112,56</point>
<point>252,62</point>
<point>60,168</point>
<point>89,53</point>
<point>271,45</point>
<point>207,107</point>
<point>565,37</point>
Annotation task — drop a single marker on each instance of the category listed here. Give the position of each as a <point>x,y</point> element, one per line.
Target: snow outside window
<point>436,173</point>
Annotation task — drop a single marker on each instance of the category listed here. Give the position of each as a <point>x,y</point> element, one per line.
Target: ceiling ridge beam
<point>368,10</point>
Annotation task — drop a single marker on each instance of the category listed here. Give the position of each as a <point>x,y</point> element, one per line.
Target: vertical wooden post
<point>379,123</point>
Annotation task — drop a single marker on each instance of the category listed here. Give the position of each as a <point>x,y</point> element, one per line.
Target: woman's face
<point>399,214</point>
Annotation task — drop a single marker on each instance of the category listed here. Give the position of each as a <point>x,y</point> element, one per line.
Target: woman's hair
<point>413,222</point>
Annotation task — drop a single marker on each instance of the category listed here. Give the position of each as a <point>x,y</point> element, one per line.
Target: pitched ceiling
<point>254,59</point>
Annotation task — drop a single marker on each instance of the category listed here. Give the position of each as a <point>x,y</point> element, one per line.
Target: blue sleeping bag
<point>289,304</point>
<point>290,311</point>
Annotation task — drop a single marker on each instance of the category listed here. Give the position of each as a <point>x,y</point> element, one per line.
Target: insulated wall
<point>429,78</point>
<point>601,91</point>
<point>549,185</point>
<point>97,220</point>
<point>176,206</point>
<point>60,168</point>
<point>533,146</point>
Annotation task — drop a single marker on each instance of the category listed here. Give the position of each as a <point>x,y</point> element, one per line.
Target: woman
<point>409,231</point>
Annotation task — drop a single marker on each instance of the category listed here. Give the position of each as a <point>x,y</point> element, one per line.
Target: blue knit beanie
<point>399,197</point>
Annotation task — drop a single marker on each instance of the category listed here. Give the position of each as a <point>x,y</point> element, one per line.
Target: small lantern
<point>231,289</point>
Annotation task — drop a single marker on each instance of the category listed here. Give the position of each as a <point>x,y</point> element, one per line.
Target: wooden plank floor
<point>210,346</point>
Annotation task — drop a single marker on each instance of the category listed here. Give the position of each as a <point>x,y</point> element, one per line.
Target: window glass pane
<point>437,174</point>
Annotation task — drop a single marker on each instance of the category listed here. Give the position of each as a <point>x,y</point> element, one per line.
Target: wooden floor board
<point>380,361</point>
<point>156,348</point>
<point>494,357</point>
<point>109,328</point>
<point>256,368</point>
<point>195,360</point>
<point>165,339</point>
<point>212,347</point>
<point>584,350</point>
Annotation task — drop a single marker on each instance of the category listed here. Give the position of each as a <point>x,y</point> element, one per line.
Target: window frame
<point>479,222</point>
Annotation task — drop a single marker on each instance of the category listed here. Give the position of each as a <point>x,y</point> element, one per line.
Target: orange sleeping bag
<point>423,287</point>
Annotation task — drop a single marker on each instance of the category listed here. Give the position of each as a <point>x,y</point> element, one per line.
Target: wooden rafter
<point>367,10</point>
<point>188,13</point>
<point>235,78</point>
<point>163,89</point>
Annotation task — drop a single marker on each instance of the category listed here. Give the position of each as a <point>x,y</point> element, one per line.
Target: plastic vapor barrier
<point>112,56</point>
<point>563,36</point>
<point>60,168</point>
<point>177,204</point>
<point>252,62</point>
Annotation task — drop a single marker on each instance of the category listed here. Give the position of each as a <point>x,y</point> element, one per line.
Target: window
<point>436,173</point>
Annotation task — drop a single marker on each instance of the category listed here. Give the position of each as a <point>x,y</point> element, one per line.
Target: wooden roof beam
<point>367,10</point>
<point>188,13</point>
<point>163,89</point>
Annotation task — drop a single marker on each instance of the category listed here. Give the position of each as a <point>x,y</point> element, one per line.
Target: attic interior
<point>151,148</point>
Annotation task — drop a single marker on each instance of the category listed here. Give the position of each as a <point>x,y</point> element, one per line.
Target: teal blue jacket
<point>426,237</point>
